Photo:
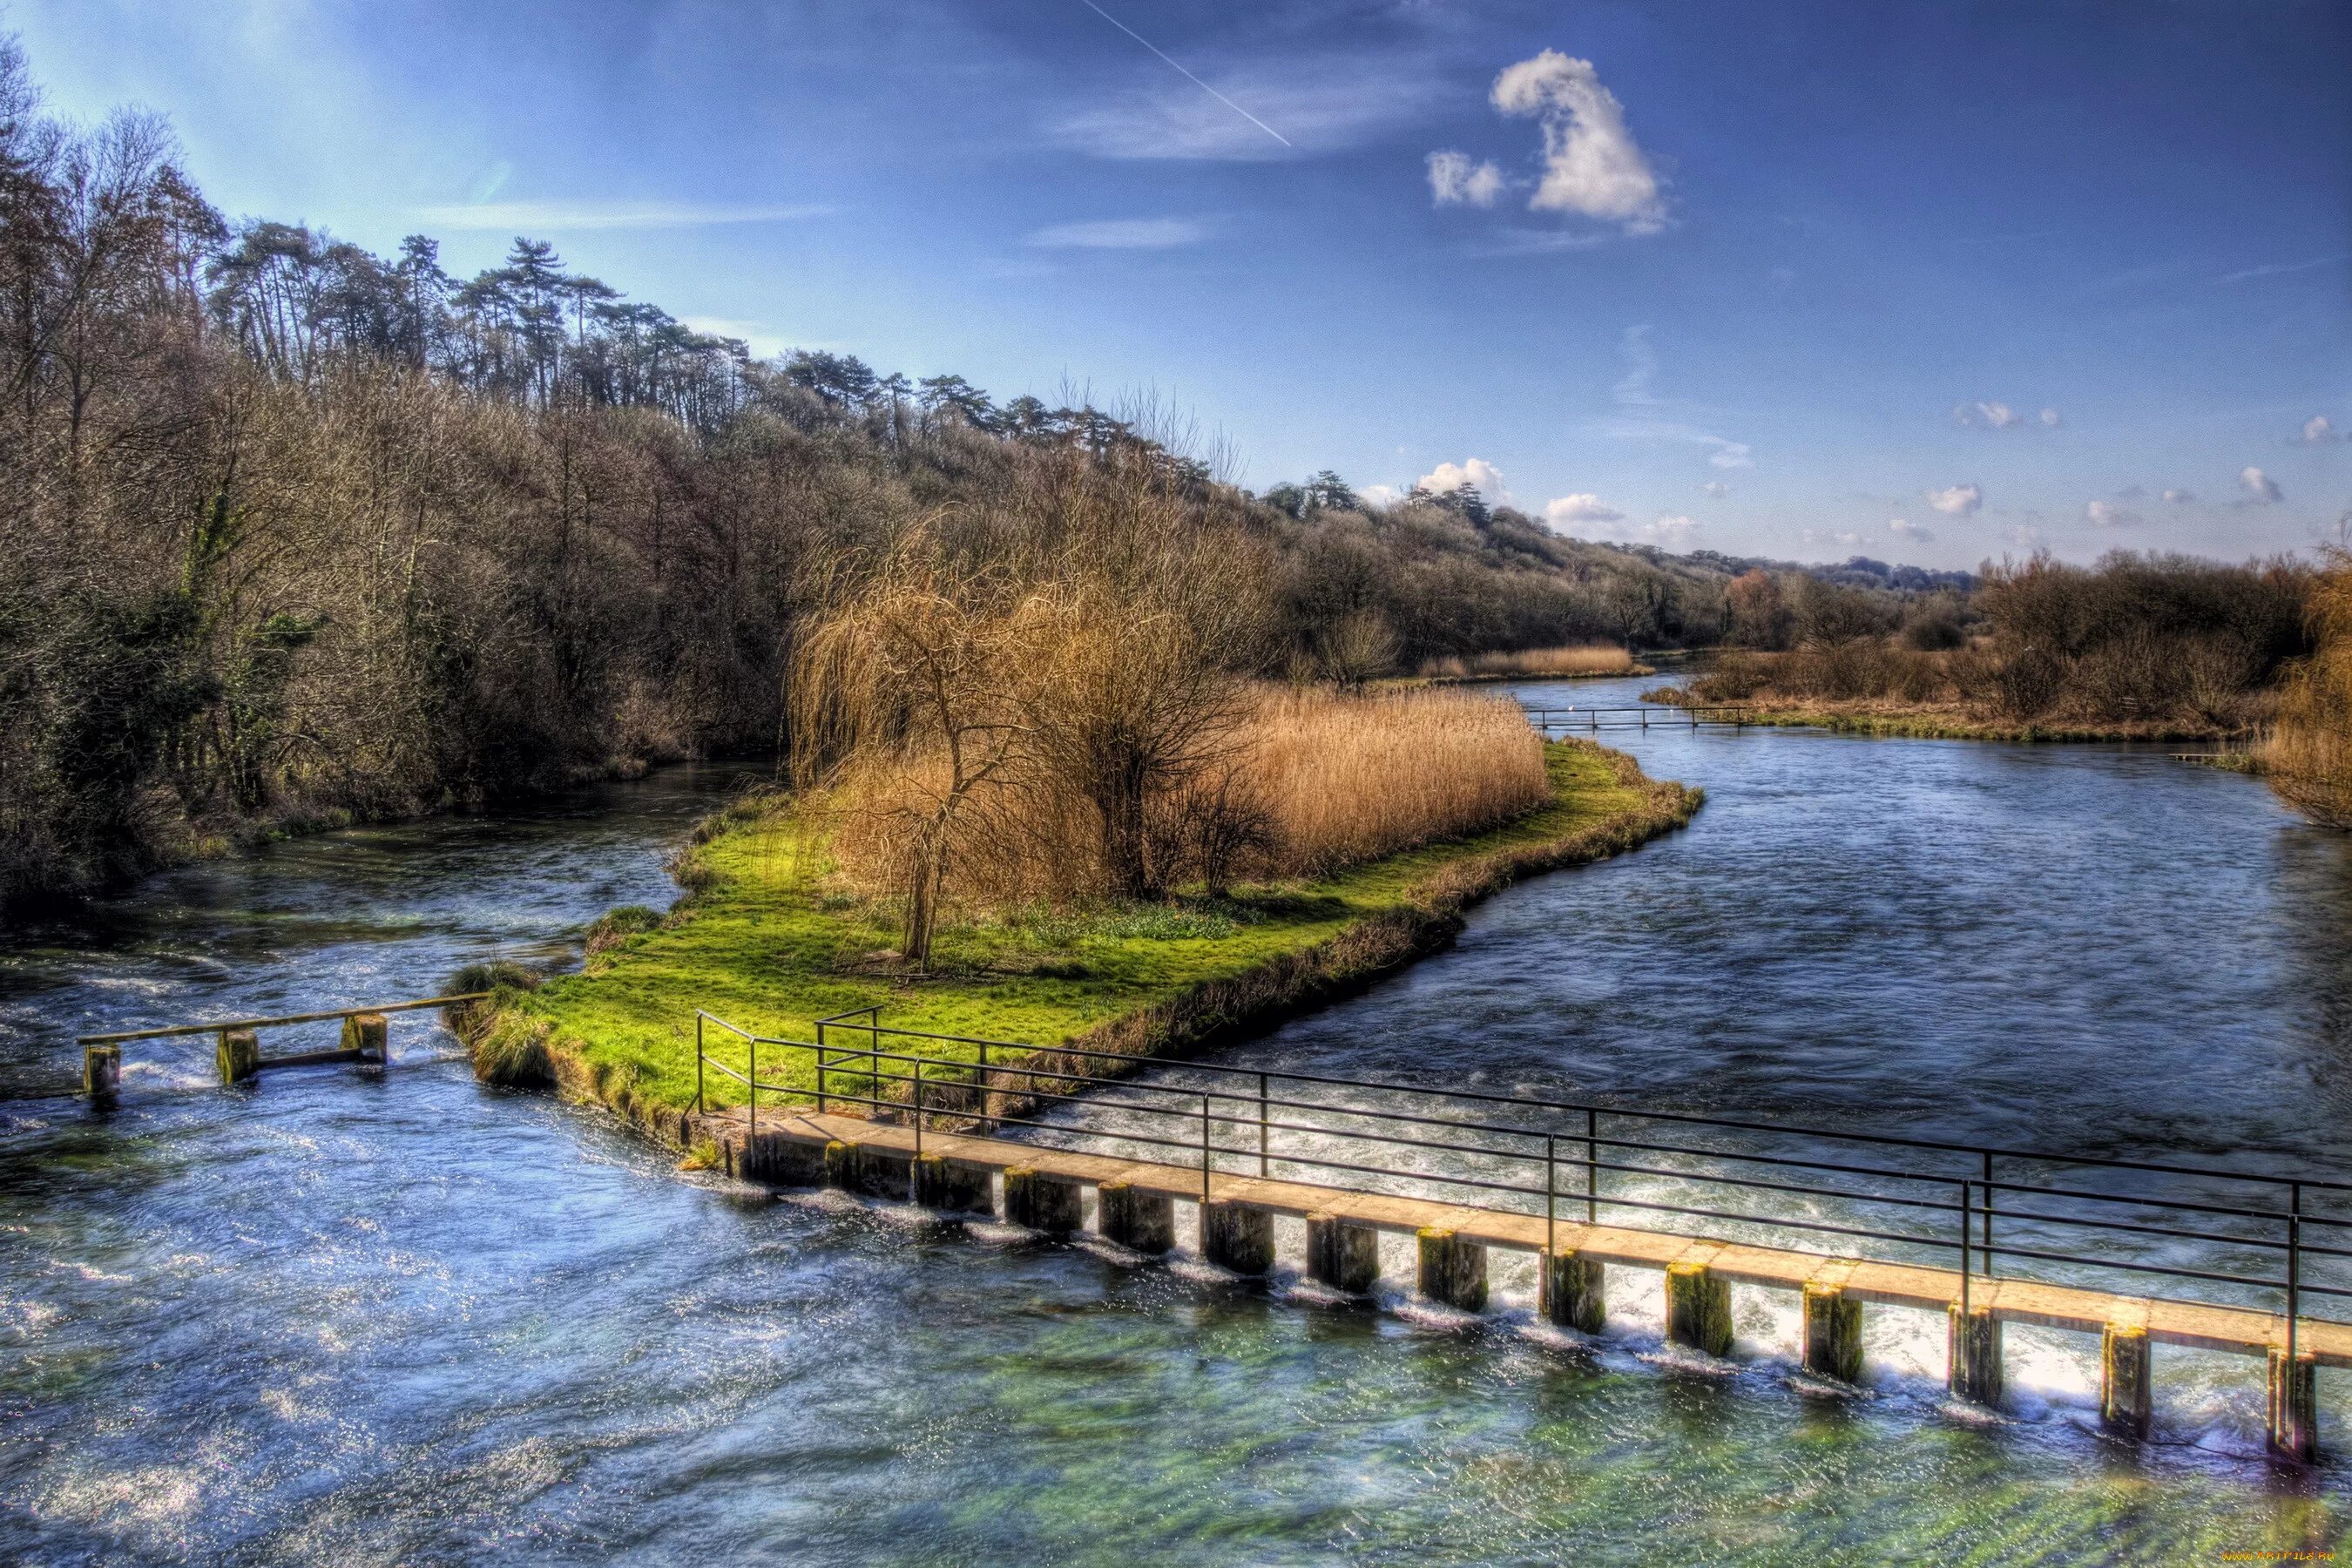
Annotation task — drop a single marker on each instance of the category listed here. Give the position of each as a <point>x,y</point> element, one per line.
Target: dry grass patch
<point>1534,663</point>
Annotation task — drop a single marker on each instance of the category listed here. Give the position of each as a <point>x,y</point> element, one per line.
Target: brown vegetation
<point>2151,645</point>
<point>1588,658</point>
<point>2308,753</point>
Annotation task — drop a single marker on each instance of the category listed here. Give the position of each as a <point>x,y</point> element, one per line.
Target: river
<point>345,1317</point>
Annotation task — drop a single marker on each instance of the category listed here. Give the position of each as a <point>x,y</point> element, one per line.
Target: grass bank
<point>765,940</point>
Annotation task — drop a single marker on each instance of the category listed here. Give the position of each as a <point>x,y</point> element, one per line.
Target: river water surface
<point>351,1317</point>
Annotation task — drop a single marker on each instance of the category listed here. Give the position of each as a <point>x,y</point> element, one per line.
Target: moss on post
<point>1342,1256</point>
<point>1698,1308</point>
<point>841,1164</point>
<point>1570,1291</point>
<point>2127,1402</point>
<point>1452,1272</point>
<point>952,1186</point>
<point>240,1054</point>
<point>1236,1236</point>
<point>101,1073</point>
<point>1051,1203</point>
<point>1140,1221</point>
<point>1975,1339</point>
<point>2293,1407</point>
<point>369,1034</point>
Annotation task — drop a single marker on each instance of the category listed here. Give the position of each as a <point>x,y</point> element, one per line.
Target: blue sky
<point>1782,279</point>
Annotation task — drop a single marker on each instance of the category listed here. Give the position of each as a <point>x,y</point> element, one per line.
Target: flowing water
<point>344,1316</point>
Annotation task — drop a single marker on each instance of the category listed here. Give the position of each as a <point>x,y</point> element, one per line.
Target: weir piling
<point>1698,1308</point>
<point>1974,1337</point>
<point>238,1055</point>
<point>1236,1236</point>
<point>953,1186</point>
<point>2125,1396</point>
<point>1042,1202</point>
<point>2293,1413</point>
<point>1453,1272</point>
<point>101,1073</point>
<point>1833,1333</point>
<point>1341,1256</point>
<point>1570,1290</point>
<point>1137,1220</point>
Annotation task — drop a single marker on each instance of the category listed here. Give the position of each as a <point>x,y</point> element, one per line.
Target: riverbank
<point>1942,722</point>
<point>764,939</point>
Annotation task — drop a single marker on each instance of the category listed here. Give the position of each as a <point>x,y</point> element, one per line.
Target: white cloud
<point>1670,530</point>
<point>1455,181</point>
<point>1475,471</point>
<point>2107,514</point>
<point>2318,431</point>
<point>1824,536</point>
<point>2178,497</point>
<point>1959,501</point>
<point>1583,508</point>
<point>1991,416</point>
<point>2260,486</point>
<point>558,216</point>
<point>1380,496</point>
<point>1593,166</point>
<point>1717,488</point>
<point>1914,532</point>
<point>762,340</point>
<point>1121,234</point>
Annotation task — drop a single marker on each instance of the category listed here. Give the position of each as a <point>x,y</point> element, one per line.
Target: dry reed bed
<point>1594,659</point>
<point>1346,779</point>
<point>2307,754</point>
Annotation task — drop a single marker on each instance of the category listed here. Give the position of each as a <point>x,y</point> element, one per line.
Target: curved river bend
<point>345,1318</point>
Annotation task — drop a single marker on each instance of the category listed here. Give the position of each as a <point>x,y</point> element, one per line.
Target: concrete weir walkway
<point>1042,1188</point>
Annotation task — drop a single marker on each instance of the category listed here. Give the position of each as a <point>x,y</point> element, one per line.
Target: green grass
<point>766,942</point>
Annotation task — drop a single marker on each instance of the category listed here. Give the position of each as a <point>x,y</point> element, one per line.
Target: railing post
<point>751,1083</point>
<point>919,1108</point>
<point>1552,1198</point>
<point>1592,1167</point>
<point>697,1062</point>
<point>986,1125</point>
<point>820,1068</point>
<point>2293,1264</point>
<point>1261,1124</point>
<point>1985,1225</point>
<point>1966,1219</point>
<point>1204,1148</point>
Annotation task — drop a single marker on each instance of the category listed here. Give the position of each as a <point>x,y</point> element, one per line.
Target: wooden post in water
<point>1975,1338</point>
<point>1236,1236</point>
<point>2294,1406</point>
<point>2126,1400</point>
<point>1570,1290</point>
<point>101,1073</point>
<point>368,1034</point>
<point>1698,1308</point>
<point>240,1054</point>
<point>952,1186</point>
<point>1051,1203</point>
<point>1140,1221</point>
<point>1832,1333</point>
<point>1453,1272</point>
<point>1342,1256</point>
<point>840,1164</point>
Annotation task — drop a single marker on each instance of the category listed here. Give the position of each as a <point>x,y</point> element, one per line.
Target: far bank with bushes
<point>772,938</point>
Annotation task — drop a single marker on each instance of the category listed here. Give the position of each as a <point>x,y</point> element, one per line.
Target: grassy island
<point>762,938</point>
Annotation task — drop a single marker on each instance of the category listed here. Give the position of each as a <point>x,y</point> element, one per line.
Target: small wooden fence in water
<point>1989,1235</point>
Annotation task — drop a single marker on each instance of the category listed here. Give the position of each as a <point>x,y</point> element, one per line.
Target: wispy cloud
<point>558,215</point>
<point>1122,234</point>
<point>2279,268</point>
<point>1328,102</point>
<point>2107,514</point>
<point>2318,431</point>
<point>1990,416</point>
<point>2260,487</point>
<point>1650,419</point>
<point>1960,501</point>
<point>1455,181</point>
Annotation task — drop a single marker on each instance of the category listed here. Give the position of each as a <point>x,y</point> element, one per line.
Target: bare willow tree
<point>904,695</point>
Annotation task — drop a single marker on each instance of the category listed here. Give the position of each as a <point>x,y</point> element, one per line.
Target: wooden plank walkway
<point>2230,1328</point>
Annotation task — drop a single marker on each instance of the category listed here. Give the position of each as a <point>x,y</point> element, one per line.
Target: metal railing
<point>2240,1238</point>
<point>1695,717</point>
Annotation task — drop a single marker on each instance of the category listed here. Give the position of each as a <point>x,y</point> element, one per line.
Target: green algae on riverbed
<point>763,944</point>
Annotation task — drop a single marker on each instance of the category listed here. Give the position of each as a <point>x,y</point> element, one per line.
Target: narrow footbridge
<point>2229,1261</point>
<point>1695,717</point>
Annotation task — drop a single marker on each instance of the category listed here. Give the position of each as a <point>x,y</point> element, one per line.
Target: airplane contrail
<point>1188,76</point>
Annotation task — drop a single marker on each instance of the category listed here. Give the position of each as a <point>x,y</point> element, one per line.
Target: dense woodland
<point>297,533</point>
